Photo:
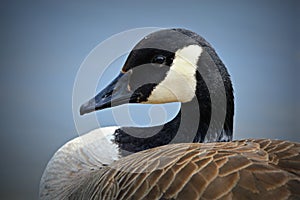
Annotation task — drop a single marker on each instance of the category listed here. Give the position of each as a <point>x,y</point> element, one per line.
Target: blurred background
<point>43,44</point>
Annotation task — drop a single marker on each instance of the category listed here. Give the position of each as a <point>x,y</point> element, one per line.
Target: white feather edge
<point>75,159</point>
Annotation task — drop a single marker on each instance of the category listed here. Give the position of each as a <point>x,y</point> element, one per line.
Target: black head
<point>147,67</point>
<point>172,65</point>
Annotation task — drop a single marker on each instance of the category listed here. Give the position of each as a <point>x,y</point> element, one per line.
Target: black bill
<point>116,93</point>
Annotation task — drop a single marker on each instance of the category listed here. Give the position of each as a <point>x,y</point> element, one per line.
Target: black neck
<point>190,125</point>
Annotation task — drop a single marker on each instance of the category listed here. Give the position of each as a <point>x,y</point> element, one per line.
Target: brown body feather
<point>246,169</point>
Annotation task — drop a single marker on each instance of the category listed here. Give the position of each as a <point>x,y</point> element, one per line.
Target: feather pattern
<point>252,169</point>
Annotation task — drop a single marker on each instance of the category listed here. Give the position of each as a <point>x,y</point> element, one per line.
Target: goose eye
<point>159,59</point>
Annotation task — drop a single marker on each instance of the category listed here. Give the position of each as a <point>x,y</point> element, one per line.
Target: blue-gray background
<point>43,44</point>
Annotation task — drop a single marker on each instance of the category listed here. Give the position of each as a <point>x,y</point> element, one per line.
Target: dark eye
<point>159,59</point>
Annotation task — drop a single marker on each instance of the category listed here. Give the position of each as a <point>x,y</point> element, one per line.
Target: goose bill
<point>116,93</point>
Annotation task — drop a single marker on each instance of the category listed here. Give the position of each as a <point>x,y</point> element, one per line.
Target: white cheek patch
<point>180,83</point>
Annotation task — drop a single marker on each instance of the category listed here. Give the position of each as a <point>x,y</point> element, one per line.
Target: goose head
<point>175,65</point>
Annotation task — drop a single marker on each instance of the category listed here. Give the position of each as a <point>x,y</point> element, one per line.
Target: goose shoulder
<point>258,169</point>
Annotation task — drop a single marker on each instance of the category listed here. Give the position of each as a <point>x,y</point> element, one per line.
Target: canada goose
<point>190,157</point>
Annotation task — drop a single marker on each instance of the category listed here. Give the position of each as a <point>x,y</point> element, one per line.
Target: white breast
<point>79,157</point>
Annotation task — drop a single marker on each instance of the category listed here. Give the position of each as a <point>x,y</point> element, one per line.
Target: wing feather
<point>253,169</point>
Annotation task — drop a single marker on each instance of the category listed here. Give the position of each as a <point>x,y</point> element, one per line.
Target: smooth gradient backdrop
<point>43,44</point>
